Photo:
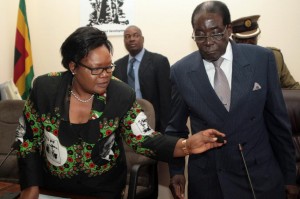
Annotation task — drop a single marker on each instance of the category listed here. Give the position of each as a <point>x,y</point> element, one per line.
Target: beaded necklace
<point>81,100</point>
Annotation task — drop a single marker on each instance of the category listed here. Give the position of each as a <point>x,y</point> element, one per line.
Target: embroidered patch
<point>20,131</point>
<point>106,150</point>
<point>55,152</point>
<point>140,125</point>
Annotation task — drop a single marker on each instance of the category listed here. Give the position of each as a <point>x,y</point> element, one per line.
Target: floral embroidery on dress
<point>79,159</point>
<point>53,74</point>
<point>31,145</point>
<point>79,156</point>
<point>133,140</point>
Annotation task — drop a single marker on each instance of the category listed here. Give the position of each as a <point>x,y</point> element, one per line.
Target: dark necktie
<point>131,77</point>
<point>221,84</point>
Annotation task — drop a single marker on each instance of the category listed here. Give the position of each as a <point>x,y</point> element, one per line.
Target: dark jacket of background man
<point>154,72</point>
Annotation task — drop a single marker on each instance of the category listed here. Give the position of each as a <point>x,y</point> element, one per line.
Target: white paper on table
<point>42,196</point>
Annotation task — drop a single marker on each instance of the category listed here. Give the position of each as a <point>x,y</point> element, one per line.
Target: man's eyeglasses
<point>99,70</point>
<point>215,37</point>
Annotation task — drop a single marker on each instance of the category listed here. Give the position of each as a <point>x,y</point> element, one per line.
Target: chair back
<point>142,180</point>
<point>10,111</point>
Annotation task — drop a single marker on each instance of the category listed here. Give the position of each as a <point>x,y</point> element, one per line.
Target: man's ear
<point>229,29</point>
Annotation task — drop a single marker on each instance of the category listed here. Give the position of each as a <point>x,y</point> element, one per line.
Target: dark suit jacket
<point>154,73</point>
<point>257,120</point>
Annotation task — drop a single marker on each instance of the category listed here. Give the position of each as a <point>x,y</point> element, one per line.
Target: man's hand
<point>177,186</point>
<point>204,140</point>
<point>292,191</point>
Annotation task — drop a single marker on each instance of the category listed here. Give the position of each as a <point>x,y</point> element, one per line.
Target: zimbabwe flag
<point>23,69</point>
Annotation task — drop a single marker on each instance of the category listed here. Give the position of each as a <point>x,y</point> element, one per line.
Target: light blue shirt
<point>136,66</point>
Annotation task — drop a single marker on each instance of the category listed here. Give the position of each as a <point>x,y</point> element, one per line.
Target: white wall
<point>165,25</point>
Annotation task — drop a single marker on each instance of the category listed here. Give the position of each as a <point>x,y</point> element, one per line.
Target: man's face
<point>252,40</point>
<point>209,24</point>
<point>133,40</point>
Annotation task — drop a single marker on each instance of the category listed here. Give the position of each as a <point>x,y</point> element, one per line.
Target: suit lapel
<point>123,68</point>
<point>144,62</point>
<point>203,87</point>
<point>242,75</point>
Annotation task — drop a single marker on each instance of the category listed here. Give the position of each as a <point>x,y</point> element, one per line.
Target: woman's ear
<point>72,67</point>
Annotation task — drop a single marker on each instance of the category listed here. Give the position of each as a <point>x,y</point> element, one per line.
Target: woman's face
<point>98,58</point>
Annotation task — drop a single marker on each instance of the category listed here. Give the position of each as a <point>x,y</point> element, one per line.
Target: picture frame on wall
<point>110,16</point>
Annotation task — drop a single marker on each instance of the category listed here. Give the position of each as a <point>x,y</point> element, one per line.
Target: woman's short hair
<point>81,42</point>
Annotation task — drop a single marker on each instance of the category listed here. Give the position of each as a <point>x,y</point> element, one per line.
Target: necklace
<point>81,100</point>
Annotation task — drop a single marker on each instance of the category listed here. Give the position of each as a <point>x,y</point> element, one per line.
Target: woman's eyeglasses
<point>99,70</point>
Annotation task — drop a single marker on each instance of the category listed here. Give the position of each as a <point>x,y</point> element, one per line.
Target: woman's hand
<point>204,140</point>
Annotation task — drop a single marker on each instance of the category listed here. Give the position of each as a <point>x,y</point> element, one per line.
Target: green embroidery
<point>54,74</point>
<point>135,141</point>
<point>79,159</point>
<point>51,124</point>
<point>108,127</point>
<point>31,145</point>
<point>95,114</point>
<point>102,97</point>
<point>79,154</point>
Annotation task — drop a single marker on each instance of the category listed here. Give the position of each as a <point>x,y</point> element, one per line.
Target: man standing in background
<point>147,73</point>
<point>246,30</point>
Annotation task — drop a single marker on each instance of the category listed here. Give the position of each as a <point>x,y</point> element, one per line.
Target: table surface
<point>8,188</point>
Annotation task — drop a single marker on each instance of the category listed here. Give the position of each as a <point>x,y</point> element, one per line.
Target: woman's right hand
<point>204,140</point>
<point>30,193</point>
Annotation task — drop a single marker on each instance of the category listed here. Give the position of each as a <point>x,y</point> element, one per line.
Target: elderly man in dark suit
<point>242,98</point>
<point>147,73</point>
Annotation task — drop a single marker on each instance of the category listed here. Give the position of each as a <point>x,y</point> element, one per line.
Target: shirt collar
<point>227,55</point>
<point>139,56</point>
